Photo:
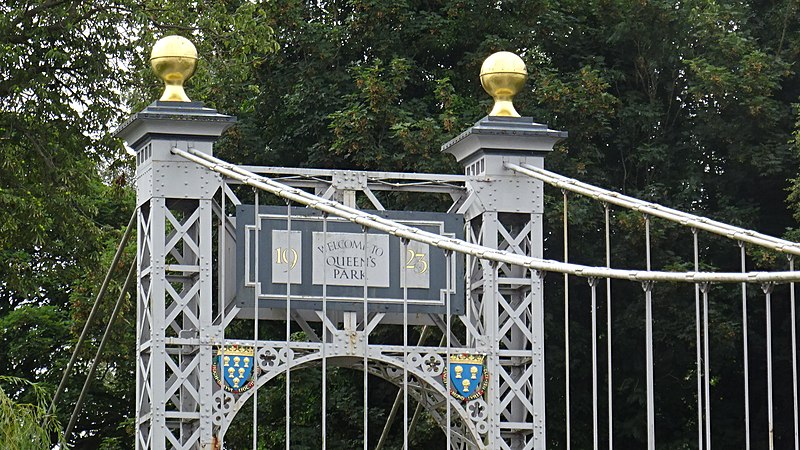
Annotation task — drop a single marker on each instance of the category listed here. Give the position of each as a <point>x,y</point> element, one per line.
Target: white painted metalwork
<point>695,222</point>
<point>706,364</point>
<point>257,265</point>
<point>595,430</point>
<point>567,386</point>
<point>793,321</point>
<point>746,357</point>
<point>324,320</point>
<point>403,276</point>
<point>648,305</point>
<point>288,339</point>
<point>486,254</point>
<point>366,320</point>
<point>222,274</point>
<point>698,351</point>
<point>767,288</point>
<point>610,384</point>
<point>448,346</point>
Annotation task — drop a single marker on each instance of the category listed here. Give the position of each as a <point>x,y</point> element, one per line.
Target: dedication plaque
<point>350,259</point>
<point>307,255</point>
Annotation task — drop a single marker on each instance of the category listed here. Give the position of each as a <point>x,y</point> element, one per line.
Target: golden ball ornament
<point>174,60</point>
<point>503,75</point>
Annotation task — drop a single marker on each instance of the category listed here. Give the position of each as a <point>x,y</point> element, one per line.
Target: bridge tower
<point>503,210</point>
<point>174,197</point>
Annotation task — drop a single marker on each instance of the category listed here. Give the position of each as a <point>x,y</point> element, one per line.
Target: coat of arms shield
<point>233,368</point>
<point>468,376</point>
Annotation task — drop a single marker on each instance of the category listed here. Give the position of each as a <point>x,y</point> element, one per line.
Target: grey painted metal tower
<point>503,210</point>
<point>174,198</point>
<point>505,303</point>
<point>175,333</point>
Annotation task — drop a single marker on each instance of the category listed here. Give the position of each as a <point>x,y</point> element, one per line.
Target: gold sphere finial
<point>502,75</point>
<point>173,59</point>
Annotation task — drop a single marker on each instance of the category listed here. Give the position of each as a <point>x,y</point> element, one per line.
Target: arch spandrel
<point>425,386</point>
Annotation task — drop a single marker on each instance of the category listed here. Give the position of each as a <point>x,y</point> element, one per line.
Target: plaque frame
<point>307,296</point>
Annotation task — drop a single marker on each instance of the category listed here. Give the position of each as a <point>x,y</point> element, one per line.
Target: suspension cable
<point>459,245</point>
<point>653,209</point>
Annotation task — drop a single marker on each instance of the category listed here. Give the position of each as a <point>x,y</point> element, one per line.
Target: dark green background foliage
<point>690,104</point>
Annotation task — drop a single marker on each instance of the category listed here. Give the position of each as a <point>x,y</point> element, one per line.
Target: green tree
<point>60,92</point>
<point>26,426</point>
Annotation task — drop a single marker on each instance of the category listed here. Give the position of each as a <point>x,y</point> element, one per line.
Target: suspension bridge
<point>220,243</point>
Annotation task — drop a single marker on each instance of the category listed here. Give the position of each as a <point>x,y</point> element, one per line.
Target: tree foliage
<point>26,426</point>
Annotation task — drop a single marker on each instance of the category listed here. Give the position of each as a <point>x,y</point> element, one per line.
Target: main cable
<point>461,246</point>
